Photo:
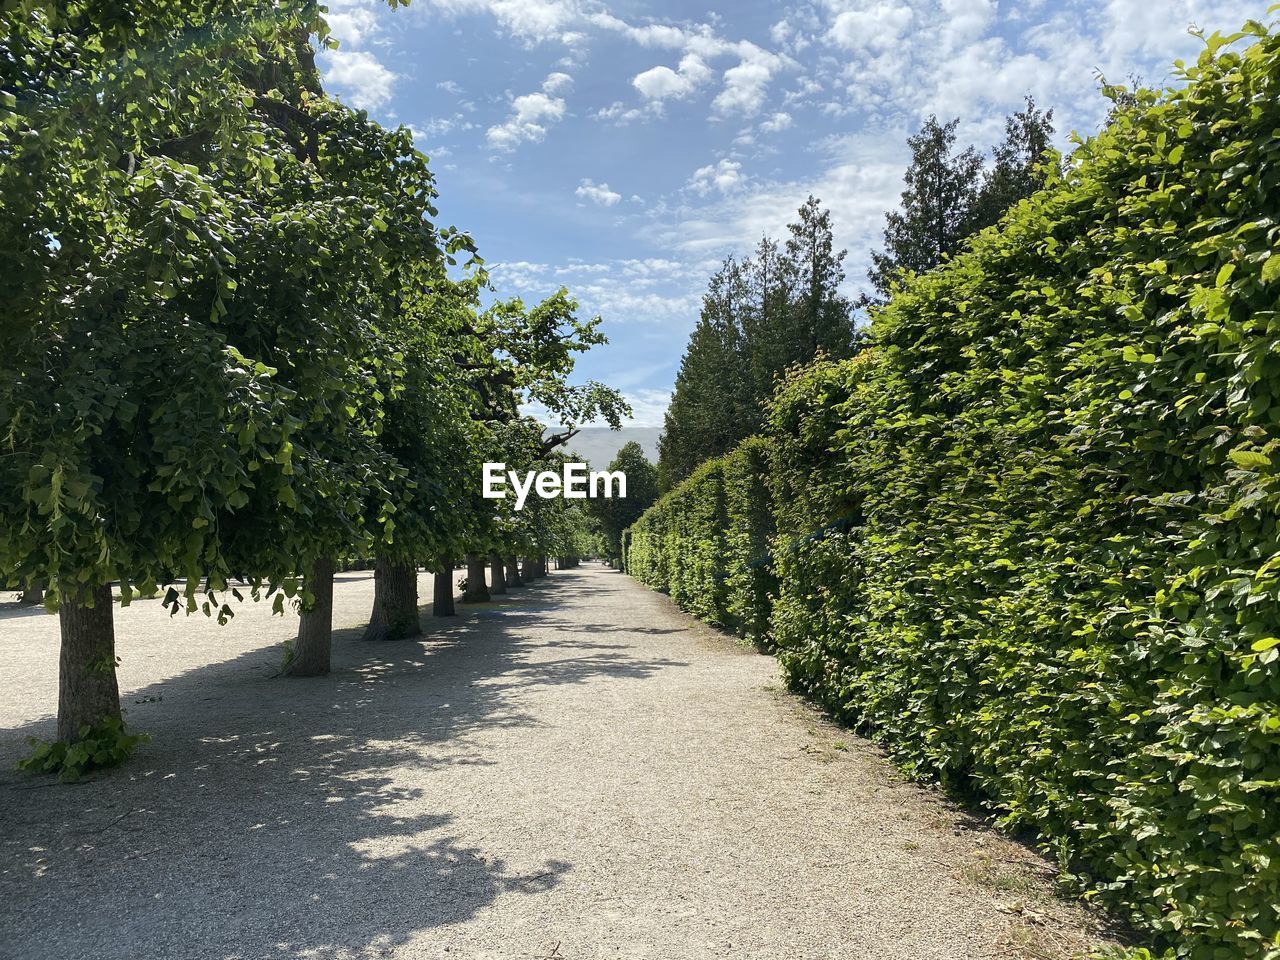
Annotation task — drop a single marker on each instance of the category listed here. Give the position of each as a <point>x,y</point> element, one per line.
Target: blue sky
<point>622,149</point>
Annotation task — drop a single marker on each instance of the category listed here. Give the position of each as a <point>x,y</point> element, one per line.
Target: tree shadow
<point>282,818</point>
<point>12,609</point>
<point>572,627</point>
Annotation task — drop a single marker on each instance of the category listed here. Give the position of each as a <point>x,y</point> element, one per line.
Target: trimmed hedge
<point>706,543</point>
<point>1029,540</point>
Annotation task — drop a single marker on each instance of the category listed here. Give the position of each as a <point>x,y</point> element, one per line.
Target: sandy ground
<point>575,771</point>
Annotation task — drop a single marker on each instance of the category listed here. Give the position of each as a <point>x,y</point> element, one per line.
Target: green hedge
<point>706,543</point>
<point>1029,540</point>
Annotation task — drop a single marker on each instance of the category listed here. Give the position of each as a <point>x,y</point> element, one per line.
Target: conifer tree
<point>820,314</point>
<point>1021,163</point>
<point>713,394</point>
<point>781,307</point>
<point>939,207</point>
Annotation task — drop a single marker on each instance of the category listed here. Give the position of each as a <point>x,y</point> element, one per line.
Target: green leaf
<point>1249,459</point>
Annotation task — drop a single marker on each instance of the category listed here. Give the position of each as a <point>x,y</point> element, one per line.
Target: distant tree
<point>713,401</point>
<point>616,514</point>
<point>821,314</point>
<point>763,317</point>
<point>939,207</point>
<point>949,196</point>
<point>1021,163</point>
<point>760,316</point>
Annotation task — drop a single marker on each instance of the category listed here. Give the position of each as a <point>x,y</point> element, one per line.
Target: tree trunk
<point>513,572</point>
<point>442,588</point>
<point>527,572</point>
<point>497,580</point>
<point>312,648</point>
<point>32,594</point>
<point>87,690</point>
<point>395,602</point>
<point>476,591</point>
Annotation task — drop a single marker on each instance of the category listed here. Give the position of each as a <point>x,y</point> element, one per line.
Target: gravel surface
<point>577,770</point>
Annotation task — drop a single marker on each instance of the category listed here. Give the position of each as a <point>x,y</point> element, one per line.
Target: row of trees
<point>237,347</point>
<point>783,306</point>
<point>760,315</point>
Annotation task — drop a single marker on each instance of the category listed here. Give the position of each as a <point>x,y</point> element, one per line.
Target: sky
<point>622,149</point>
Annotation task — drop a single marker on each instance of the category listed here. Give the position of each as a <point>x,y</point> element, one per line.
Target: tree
<point>432,432</point>
<point>938,210</point>
<point>714,391</point>
<point>1022,163</point>
<point>762,314</point>
<point>616,514</point>
<point>950,196</point>
<point>781,307</point>
<point>821,314</point>
<point>195,251</point>
<point>527,356</point>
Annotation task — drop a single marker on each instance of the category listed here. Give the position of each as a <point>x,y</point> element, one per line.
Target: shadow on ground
<point>270,818</point>
<point>12,609</point>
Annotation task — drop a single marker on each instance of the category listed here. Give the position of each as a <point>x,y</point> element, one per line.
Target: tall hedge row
<point>706,543</point>
<point>1029,540</point>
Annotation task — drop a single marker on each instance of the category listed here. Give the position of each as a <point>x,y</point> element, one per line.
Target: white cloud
<point>358,74</point>
<point>776,123</point>
<point>531,114</point>
<point>598,193</point>
<point>646,35</point>
<point>421,138</point>
<point>662,83</point>
<point>441,126</point>
<point>967,20</point>
<point>747,84</point>
<point>1130,29</point>
<point>806,88</point>
<point>619,113</point>
<point>647,407</point>
<point>533,21</point>
<point>724,176</point>
<point>363,80</point>
<point>642,290</point>
<point>659,83</point>
<point>351,26</point>
<point>556,83</point>
<point>874,28</point>
<point>571,22</point>
<point>861,180</point>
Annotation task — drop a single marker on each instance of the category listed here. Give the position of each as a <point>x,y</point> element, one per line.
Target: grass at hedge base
<point>1029,539</point>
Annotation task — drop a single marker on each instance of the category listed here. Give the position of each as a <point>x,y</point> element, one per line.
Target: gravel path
<point>575,771</point>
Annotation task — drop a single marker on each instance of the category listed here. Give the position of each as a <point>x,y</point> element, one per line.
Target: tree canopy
<point>238,348</point>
